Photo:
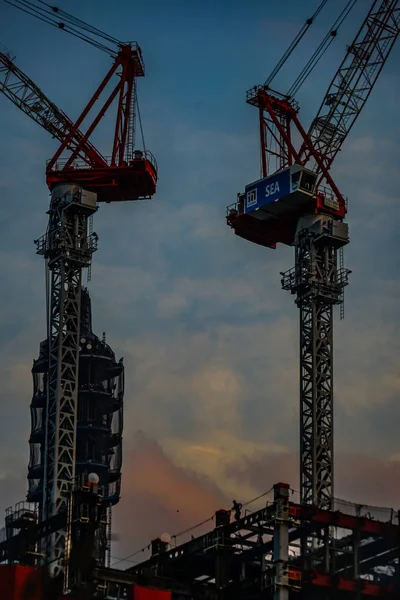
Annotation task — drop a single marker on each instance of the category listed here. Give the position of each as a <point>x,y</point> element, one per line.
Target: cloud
<point>204,295</point>
<point>358,478</point>
<point>371,182</point>
<point>214,379</point>
<point>369,370</point>
<point>157,489</point>
<point>368,480</point>
<point>210,341</point>
<point>160,497</point>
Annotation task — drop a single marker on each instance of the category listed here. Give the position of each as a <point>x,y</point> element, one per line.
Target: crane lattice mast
<point>77,183</point>
<point>319,277</point>
<point>310,216</point>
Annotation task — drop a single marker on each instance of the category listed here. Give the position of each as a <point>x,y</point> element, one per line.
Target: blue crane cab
<point>286,191</point>
<point>268,211</point>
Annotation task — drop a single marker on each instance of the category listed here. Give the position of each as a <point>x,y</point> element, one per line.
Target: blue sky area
<point>210,341</point>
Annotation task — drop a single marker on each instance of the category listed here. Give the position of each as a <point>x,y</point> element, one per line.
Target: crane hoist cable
<point>140,123</point>
<point>80,23</point>
<point>76,27</point>
<point>295,43</point>
<point>71,24</point>
<point>322,48</point>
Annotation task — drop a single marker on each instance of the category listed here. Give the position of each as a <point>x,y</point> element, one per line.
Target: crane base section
<point>134,181</point>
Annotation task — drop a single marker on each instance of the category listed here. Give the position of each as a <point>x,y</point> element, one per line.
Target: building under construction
<point>284,550</point>
<point>312,546</point>
<point>99,422</point>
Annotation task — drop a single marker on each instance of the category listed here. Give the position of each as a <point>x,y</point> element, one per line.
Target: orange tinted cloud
<point>358,478</point>
<point>368,480</point>
<point>159,497</point>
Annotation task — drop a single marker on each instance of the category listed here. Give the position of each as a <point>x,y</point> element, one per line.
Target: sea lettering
<point>272,188</point>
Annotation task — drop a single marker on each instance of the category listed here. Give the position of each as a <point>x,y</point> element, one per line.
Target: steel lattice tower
<point>315,228</point>
<point>318,284</point>
<point>77,182</point>
<point>98,424</point>
<point>67,249</point>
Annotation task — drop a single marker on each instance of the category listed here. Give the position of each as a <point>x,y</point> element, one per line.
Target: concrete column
<point>356,544</point>
<point>158,546</point>
<point>223,551</point>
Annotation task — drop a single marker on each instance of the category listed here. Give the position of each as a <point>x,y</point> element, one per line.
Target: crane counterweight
<point>133,180</point>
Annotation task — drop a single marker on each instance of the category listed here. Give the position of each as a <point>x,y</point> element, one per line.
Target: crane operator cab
<point>288,191</point>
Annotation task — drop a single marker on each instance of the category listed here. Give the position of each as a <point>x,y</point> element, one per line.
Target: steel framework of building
<point>259,556</point>
<point>256,555</point>
<point>98,424</point>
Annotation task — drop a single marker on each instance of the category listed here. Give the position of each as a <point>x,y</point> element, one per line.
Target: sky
<point>209,340</point>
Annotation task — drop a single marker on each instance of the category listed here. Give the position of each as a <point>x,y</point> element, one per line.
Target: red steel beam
<point>338,519</point>
<point>78,123</point>
<point>299,578</point>
<point>361,586</point>
<point>271,105</point>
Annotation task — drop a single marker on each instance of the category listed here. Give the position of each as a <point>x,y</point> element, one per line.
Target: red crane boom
<point>126,173</point>
<point>278,118</point>
<point>29,98</point>
<point>289,205</point>
<point>353,82</point>
<point>77,182</point>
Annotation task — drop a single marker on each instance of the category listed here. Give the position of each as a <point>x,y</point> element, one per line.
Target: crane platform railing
<point>303,282</point>
<point>234,208</point>
<point>138,155</point>
<point>49,245</point>
<point>329,200</point>
<point>253,94</point>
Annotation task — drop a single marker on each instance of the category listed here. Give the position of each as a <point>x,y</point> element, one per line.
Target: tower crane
<point>296,202</point>
<point>78,181</point>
